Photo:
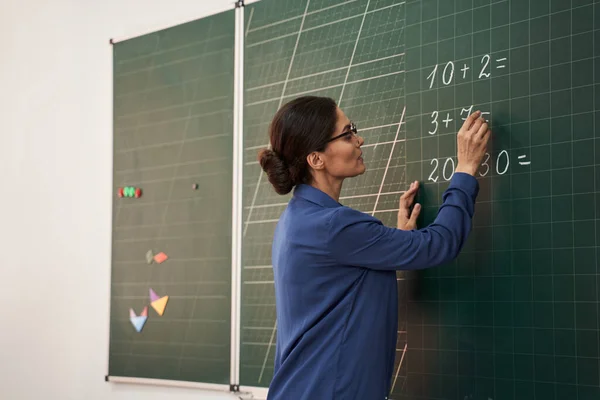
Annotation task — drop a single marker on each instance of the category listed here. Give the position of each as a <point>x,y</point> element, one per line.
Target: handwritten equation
<point>451,70</point>
<point>464,113</point>
<point>500,166</point>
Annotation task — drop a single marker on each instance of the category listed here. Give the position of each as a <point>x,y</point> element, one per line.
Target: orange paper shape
<point>160,304</point>
<point>160,257</point>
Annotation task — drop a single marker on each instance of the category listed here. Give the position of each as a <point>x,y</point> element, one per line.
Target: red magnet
<point>138,193</point>
<point>121,194</point>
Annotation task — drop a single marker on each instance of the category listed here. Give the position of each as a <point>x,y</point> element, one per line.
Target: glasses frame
<point>352,130</point>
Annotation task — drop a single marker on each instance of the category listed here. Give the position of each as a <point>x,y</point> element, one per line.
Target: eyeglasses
<point>352,130</point>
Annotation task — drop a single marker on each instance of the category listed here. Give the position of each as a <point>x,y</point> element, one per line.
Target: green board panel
<point>173,129</point>
<point>516,315</point>
<point>352,51</point>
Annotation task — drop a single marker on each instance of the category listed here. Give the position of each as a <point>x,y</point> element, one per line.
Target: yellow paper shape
<point>160,304</point>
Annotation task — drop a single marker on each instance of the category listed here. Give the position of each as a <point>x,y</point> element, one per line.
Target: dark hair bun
<point>277,171</point>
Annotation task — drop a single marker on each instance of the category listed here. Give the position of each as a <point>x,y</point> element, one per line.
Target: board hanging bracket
<point>239,4</point>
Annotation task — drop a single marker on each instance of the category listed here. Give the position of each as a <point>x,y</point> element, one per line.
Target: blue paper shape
<point>138,322</point>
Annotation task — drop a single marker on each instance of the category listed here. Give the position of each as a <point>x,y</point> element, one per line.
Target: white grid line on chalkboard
<point>157,52</point>
<point>342,85</point>
<point>300,16</point>
<point>171,107</point>
<point>319,26</point>
<point>500,26</point>
<point>324,72</point>
<point>170,165</point>
<point>201,54</point>
<point>171,120</point>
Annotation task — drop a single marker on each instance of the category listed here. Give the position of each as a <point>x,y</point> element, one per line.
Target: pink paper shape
<point>144,312</point>
<point>160,257</point>
<point>153,296</point>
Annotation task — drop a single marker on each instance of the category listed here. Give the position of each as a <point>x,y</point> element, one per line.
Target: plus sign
<point>464,71</point>
<point>447,120</point>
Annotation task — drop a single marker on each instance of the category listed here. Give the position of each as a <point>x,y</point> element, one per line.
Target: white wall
<point>55,192</point>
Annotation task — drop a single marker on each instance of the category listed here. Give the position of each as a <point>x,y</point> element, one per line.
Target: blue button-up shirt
<point>336,290</point>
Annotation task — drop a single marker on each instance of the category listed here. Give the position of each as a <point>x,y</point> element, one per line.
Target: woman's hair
<point>298,128</point>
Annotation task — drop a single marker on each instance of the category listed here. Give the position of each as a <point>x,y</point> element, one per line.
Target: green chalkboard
<point>173,130</point>
<point>516,316</point>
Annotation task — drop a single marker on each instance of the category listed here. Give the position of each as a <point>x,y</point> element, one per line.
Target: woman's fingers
<point>412,222</point>
<point>406,219</point>
<point>471,119</point>
<point>482,130</point>
<point>479,122</point>
<point>406,200</point>
<point>409,195</point>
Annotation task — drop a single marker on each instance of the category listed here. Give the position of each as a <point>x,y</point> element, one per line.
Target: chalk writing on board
<point>464,113</point>
<point>445,168</point>
<point>523,162</point>
<point>447,70</point>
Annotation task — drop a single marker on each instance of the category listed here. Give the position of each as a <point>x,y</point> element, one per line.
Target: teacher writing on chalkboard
<point>335,267</point>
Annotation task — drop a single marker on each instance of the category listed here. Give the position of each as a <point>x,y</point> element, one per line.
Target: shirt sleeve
<point>361,240</point>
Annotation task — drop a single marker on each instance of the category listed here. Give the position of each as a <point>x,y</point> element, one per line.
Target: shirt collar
<point>315,195</point>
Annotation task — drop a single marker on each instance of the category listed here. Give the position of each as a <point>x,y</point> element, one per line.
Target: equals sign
<point>523,162</point>
<point>501,65</point>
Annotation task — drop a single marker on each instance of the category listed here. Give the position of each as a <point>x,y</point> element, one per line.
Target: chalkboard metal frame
<point>238,171</point>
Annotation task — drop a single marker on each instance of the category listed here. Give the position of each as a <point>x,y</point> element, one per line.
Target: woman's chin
<point>361,168</point>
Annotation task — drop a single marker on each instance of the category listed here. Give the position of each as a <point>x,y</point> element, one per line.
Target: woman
<point>335,267</point>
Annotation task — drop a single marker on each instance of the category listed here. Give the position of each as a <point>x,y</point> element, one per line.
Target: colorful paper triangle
<point>160,304</point>
<point>138,322</point>
<point>153,295</point>
<point>144,312</point>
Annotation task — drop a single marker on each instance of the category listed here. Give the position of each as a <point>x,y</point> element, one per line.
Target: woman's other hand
<point>407,220</point>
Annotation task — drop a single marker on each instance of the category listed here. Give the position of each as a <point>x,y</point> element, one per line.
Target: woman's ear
<point>315,161</point>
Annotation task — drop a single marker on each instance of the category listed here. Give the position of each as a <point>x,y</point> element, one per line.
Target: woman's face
<point>343,156</point>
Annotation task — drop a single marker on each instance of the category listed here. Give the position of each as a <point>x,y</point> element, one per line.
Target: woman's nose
<point>360,141</point>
